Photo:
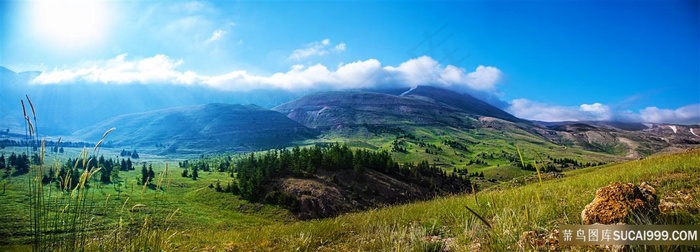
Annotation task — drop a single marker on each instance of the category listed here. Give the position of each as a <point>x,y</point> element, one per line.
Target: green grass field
<point>510,210</point>
<point>203,219</point>
<point>194,203</point>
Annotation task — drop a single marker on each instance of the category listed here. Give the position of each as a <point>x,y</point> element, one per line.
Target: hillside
<point>445,224</point>
<point>212,127</point>
<point>331,110</point>
<point>631,140</point>
<point>465,102</point>
<point>434,115</point>
<point>320,182</point>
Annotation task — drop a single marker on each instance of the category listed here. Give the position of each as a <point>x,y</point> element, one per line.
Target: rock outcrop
<point>622,203</point>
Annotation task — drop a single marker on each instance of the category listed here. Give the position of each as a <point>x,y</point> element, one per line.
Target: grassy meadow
<point>126,205</point>
<point>181,214</point>
<point>446,222</point>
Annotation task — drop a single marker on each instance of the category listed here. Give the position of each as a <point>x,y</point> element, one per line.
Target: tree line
<point>132,154</point>
<point>69,172</point>
<point>255,171</point>
<point>14,143</point>
<point>20,163</point>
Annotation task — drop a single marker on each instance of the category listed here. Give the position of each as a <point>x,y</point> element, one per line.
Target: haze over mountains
<point>145,117</point>
<point>63,109</point>
<point>219,127</point>
<point>214,127</point>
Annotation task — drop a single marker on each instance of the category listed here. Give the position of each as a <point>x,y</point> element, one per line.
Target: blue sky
<point>541,60</point>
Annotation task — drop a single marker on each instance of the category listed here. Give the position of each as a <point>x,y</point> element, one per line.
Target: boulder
<point>622,203</point>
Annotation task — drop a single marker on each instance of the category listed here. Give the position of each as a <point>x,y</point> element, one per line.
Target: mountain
<point>422,105</point>
<point>430,109</point>
<point>334,109</point>
<point>632,140</point>
<point>465,102</point>
<point>67,107</point>
<point>214,127</point>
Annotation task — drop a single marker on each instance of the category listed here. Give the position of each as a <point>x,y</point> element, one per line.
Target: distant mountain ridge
<point>91,109</point>
<point>423,105</point>
<point>214,127</point>
<point>465,102</point>
<point>347,108</point>
<point>67,107</point>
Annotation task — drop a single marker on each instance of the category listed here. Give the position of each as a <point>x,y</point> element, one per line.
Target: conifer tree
<point>195,173</point>
<point>144,175</point>
<point>151,174</point>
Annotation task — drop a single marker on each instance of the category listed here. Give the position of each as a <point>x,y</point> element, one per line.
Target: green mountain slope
<point>212,127</point>
<point>465,102</point>
<point>428,120</point>
<point>331,110</point>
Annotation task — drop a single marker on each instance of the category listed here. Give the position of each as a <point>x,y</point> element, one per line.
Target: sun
<point>70,24</point>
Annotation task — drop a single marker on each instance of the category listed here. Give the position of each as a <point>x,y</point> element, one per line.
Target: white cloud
<point>216,35</point>
<point>161,69</point>
<point>531,110</point>
<point>415,71</point>
<point>484,78</point>
<point>527,109</point>
<point>597,111</point>
<point>118,70</point>
<point>360,74</point>
<point>524,108</point>
<point>425,70</point>
<point>318,48</point>
<point>353,75</point>
<point>685,114</point>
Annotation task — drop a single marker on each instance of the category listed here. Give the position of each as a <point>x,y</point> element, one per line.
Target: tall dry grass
<point>65,217</point>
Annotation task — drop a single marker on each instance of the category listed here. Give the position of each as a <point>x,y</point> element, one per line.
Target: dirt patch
<point>316,198</point>
<point>330,193</point>
<point>679,200</point>
<point>632,152</point>
<point>541,240</point>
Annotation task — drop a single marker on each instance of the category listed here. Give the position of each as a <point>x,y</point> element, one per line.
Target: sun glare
<point>70,24</point>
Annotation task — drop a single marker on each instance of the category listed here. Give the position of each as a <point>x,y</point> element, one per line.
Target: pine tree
<point>184,173</point>
<point>106,174</point>
<point>114,176</point>
<point>218,187</point>
<point>195,174</point>
<point>144,175</point>
<point>151,174</point>
<point>21,164</point>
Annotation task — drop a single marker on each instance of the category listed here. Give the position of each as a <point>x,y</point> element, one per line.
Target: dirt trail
<point>632,153</point>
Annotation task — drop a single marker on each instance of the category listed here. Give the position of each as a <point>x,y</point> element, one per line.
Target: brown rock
<point>622,202</point>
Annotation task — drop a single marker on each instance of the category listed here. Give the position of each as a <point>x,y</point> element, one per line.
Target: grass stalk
<point>479,217</point>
